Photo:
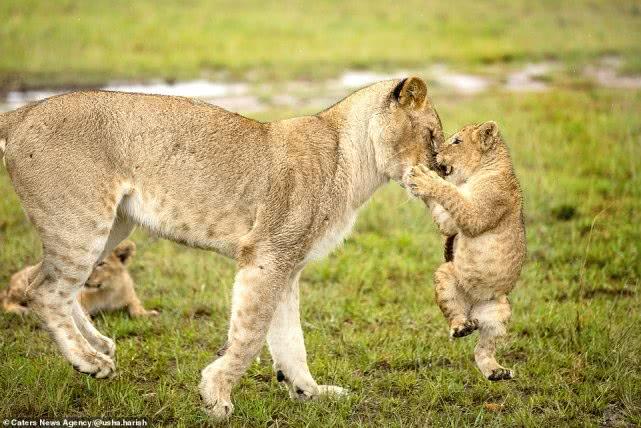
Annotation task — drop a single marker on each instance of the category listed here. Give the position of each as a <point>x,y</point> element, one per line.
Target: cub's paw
<point>421,179</point>
<point>464,329</point>
<point>501,374</point>
<point>145,313</point>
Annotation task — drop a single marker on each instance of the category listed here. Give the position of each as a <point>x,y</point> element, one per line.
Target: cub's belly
<point>487,264</point>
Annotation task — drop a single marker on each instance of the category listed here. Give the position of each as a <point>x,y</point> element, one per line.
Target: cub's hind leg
<point>453,302</point>
<point>492,316</point>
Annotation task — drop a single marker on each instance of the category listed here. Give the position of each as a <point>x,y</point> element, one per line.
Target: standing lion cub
<point>480,203</point>
<point>109,287</point>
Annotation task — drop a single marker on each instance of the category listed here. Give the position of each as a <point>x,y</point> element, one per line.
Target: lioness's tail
<point>8,121</point>
<point>3,138</point>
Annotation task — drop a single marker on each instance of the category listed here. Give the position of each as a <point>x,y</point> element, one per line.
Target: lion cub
<point>480,203</point>
<point>109,287</point>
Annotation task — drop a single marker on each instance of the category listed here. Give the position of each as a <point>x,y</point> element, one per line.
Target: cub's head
<point>406,130</point>
<point>112,267</point>
<point>465,151</point>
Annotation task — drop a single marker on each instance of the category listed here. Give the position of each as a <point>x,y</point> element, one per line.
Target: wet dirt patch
<point>249,97</point>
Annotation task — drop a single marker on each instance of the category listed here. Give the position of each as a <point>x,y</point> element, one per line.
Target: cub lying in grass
<point>480,203</point>
<point>109,287</point>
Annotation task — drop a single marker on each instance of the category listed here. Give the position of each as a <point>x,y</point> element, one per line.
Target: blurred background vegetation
<point>370,319</point>
<point>70,42</point>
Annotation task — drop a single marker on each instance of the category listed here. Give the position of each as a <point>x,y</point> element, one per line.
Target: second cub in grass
<point>108,288</point>
<point>480,202</point>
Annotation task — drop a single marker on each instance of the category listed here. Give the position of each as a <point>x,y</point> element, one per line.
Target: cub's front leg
<point>445,224</point>
<point>472,215</point>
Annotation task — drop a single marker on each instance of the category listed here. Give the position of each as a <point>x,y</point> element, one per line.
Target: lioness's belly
<point>195,220</point>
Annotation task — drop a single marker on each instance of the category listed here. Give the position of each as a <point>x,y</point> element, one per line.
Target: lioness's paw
<point>219,410</point>
<point>214,392</point>
<point>464,329</point>
<point>501,374</point>
<point>95,365</point>
<point>332,391</point>
<point>104,345</point>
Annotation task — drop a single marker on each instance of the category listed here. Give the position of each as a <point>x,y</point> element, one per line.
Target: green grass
<point>71,42</point>
<point>369,315</point>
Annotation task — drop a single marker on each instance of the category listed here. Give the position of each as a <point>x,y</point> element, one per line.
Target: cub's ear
<point>487,134</point>
<point>411,93</point>
<point>125,251</point>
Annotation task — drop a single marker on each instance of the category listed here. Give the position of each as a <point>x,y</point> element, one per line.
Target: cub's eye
<point>456,141</point>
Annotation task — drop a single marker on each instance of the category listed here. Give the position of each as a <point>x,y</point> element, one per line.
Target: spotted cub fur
<point>480,203</point>
<point>109,288</point>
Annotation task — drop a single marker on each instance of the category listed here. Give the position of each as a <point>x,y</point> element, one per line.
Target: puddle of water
<point>526,79</point>
<point>354,79</point>
<point>232,96</point>
<point>460,82</point>
<point>191,89</point>
<point>609,78</point>
<point>245,97</point>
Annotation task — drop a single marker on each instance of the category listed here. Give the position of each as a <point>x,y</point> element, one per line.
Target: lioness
<point>108,288</point>
<point>480,203</point>
<point>89,166</point>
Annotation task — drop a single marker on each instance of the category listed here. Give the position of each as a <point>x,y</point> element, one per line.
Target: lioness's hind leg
<point>119,231</point>
<point>74,232</point>
<point>453,302</point>
<point>492,317</point>
<point>53,293</point>
<point>100,342</point>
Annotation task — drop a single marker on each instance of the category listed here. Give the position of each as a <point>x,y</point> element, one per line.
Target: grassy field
<point>370,319</point>
<point>70,42</point>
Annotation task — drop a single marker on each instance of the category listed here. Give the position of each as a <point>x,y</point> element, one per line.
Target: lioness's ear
<point>124,251</point>
<point>411,92</point>
<point>487,133</point>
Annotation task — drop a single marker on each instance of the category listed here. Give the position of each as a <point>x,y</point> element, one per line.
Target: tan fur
<point>480,202</point>
<point>109,287</point>
<point>89,166</point>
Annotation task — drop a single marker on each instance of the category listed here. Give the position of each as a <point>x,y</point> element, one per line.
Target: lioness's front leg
<point>255,294</point>
<point>287,347</point>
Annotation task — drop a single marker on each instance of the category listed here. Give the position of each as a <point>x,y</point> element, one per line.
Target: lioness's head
<point>466,150</point>
<point>114,265</point>
<point>406,130</point>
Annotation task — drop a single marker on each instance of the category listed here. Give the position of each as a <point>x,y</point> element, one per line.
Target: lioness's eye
<point>456,141</point>
<point>101,264</point>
